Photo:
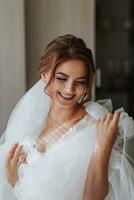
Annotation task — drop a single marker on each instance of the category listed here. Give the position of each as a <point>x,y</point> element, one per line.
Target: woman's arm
<point>96,187</point>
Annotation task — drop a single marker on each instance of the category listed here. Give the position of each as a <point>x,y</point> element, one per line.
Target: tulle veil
<point>29,115</point>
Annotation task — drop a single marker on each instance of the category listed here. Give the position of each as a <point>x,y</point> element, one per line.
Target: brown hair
<point>64,48</point>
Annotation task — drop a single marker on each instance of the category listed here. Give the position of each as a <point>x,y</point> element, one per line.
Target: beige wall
<point>46,19</point>
<point>12,57</point>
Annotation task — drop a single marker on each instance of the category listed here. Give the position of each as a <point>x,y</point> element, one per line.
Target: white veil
<point>28,115</point>
<point>28,118</point>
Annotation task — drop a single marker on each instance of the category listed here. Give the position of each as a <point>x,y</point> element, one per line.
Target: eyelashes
<point>77,82</point>
<point>81,82</point>
<point>62,79</point>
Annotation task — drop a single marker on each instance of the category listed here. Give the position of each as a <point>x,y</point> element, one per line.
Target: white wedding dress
<point>60,172</point>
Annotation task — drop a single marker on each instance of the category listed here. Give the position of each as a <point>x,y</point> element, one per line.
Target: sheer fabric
<point>60,172</point>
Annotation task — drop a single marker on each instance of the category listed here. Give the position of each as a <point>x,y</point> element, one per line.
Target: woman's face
<point>69,83</point>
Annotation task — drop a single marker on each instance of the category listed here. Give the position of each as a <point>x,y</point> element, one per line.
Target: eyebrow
<point>82,77</point>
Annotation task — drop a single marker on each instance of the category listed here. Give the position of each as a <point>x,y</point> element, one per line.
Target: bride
<point>61,145</point>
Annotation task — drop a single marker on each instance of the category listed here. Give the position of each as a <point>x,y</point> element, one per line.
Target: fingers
<point>17,153</point>
<point>116,117</point>
<point>109,116</point>
<point>106,118</point>
<point>14,154</point>
<point>103,118</point>
<point>12,150</point>
<point>21,159</point>
<point>11,154</point>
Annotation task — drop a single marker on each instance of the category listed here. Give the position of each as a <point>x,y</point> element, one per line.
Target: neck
<point>63,114</point>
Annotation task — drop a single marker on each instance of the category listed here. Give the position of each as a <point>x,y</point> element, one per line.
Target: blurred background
<point>27,26</point>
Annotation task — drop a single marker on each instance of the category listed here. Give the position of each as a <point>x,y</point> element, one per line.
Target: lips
<point>65,97</point>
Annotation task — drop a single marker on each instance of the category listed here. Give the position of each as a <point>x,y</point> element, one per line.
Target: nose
<point>69,87</point>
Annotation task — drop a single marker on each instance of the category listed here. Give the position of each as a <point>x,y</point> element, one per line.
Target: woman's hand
<point>96,186</point>
<point>107,131</point>
<point>14,159</point>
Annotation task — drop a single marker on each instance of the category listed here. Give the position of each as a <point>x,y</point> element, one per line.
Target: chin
<point>65,105</point>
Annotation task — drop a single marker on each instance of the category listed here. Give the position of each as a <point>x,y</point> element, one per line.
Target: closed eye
<point>81,82</point>
<point>61,79</point>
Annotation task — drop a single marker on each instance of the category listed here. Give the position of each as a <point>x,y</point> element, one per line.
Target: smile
<point>68,98</point>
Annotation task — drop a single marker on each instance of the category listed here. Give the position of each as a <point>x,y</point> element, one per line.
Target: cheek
<point>54,87</point>
<point>81,91</point>
<point>58,85</point>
